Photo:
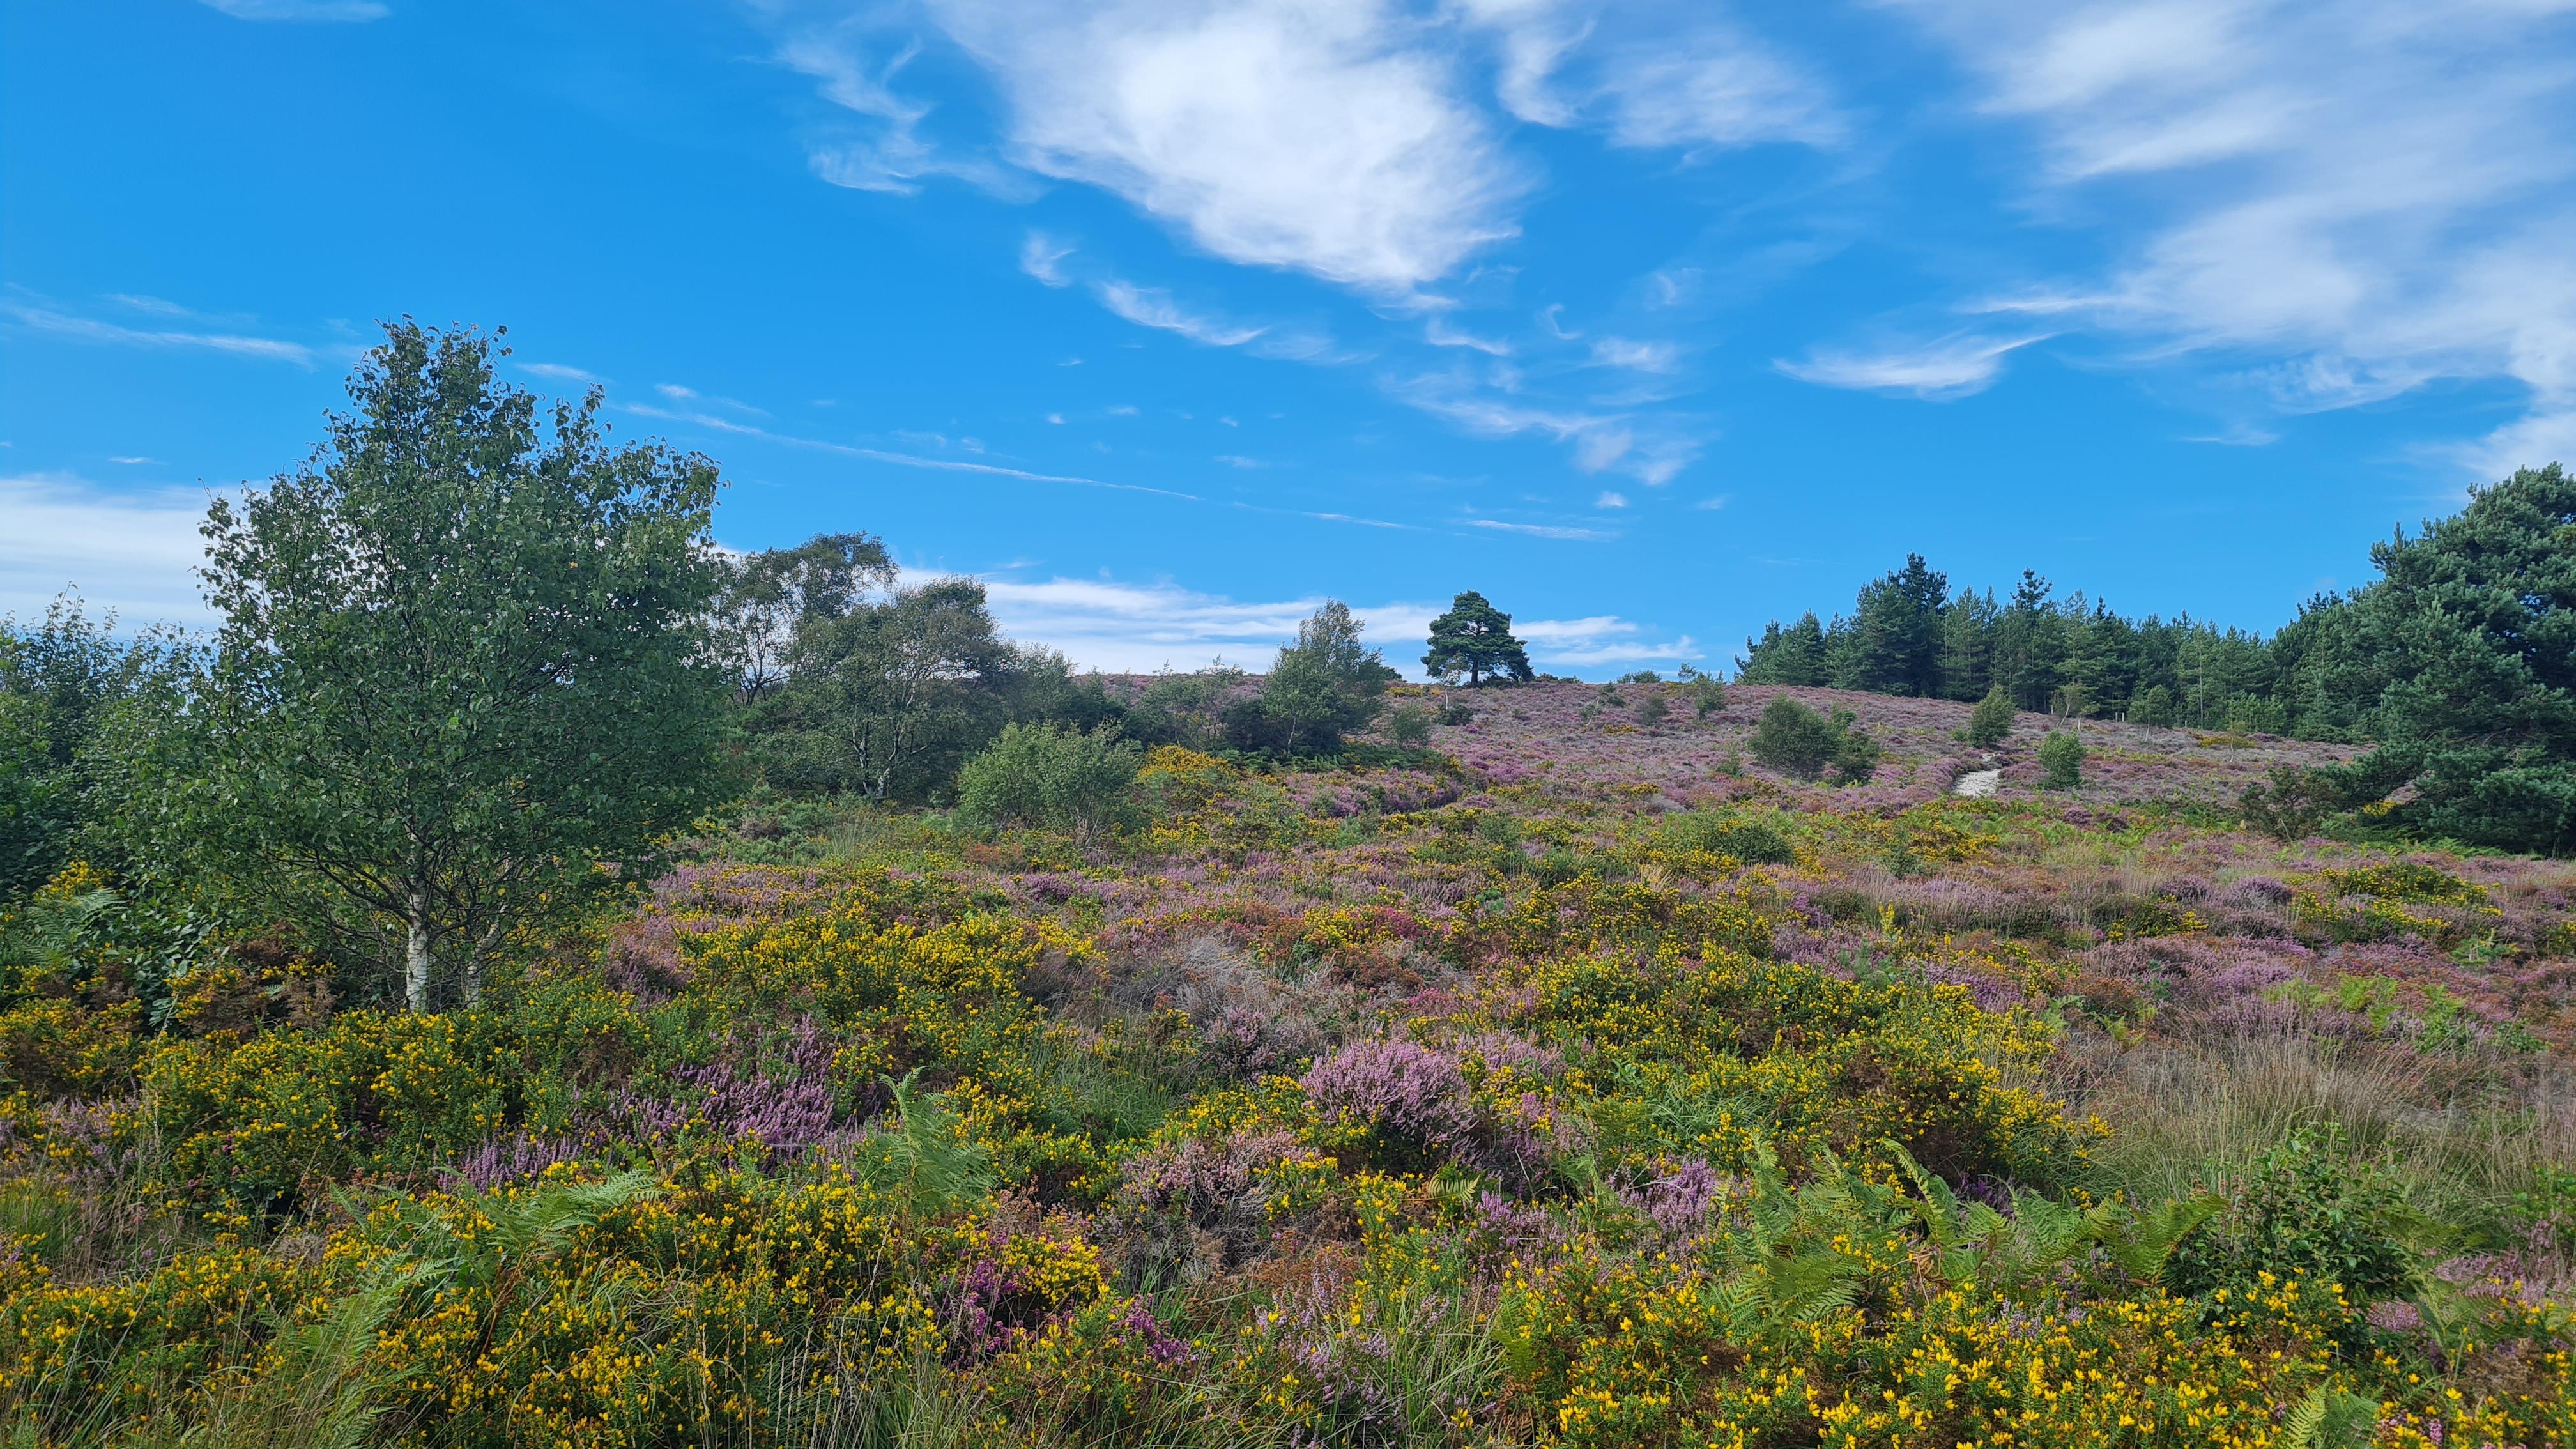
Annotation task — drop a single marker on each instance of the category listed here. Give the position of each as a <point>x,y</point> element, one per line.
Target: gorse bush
<point>1049,776</point>
<point>1727,833</point>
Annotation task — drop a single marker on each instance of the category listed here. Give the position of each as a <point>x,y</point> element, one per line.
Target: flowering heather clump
<point>1569,1081</point>
<point>1412,1096</point>
<point>506,1160</point>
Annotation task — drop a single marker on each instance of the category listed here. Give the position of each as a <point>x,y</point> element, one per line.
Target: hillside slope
<point>1568,1081</point>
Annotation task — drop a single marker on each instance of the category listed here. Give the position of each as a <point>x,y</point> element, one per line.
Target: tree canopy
<point>2472,626</point>
<point>1475,639</point>
<point>462,669</point>
<point>1326,684</point>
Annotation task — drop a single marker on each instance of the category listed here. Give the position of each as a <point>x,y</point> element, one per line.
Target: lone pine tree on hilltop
<point>1475,639</point>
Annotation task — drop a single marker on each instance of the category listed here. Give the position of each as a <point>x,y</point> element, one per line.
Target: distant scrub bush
<point>1708,696</point>
<point>1050,776</point>
<point>1726,833</point>
<point>2309,1211</point>
<point>2061,760</point>
<point>1991,720</point>
<point>1796,740</point>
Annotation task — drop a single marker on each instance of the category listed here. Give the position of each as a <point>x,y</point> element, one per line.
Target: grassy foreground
<point>1566,1081</point>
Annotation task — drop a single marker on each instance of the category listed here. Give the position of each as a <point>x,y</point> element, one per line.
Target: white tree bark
<point>416,957</point>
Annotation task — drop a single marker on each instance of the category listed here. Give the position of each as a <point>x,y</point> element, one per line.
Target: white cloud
<point>1137,628</point>
<point>1134,628</point>
<point>558,372</point>
<point>344,11</point>
<point>158,306</point>
<point>1317,137</point>
<point>1652,75</point>
<point>892,155</point>
<point>1953,367</point>
<point>1598,639</point>
<point>1343,138</point>
<point>2372,195</point>
<point>1610,499</point>
<point>1439,333</point>
<point>1641,356</point>
<point>2531,442</point>
<point>1651,452</point>
<point>90,329</point>
<point>880,455</point>
<point>1153,307</point>
<point>1544,530</point>
<point>1598,448</point>
<point>134,553</point>
<point>1038,257</point>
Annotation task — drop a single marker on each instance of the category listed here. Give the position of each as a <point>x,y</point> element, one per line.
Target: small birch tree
<point>463,667</point>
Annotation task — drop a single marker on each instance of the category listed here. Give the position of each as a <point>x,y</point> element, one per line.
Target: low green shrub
<point>2061,758</point>
<point>1045,775</point>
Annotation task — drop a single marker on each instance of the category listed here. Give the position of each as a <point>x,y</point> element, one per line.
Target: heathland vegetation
<point>533,978</point>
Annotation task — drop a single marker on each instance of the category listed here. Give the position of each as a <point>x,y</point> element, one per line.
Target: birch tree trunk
<point>416,955</point>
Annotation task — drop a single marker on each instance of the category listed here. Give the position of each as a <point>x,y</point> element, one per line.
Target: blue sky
<point>1171,319</point>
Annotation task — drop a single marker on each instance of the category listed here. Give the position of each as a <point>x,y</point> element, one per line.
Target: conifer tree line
<point>2323,676</point>
<point>1909,633</point>
<point>2457,664</point>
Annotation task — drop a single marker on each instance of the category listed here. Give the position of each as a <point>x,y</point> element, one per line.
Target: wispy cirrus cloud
<point>1152,307</point>
<point>1140,627</point>
<point>1439,332</point>
<point>880,455</point>
<point>2307,188</point>
<point>307,11</point>
<point>133,552</point>
<point>1362,142</point>
<point>42,318</point>
<point>1600,639</point>
<point>1352,140</point>
<point>560,372</point>
<point>1640,356</point>
<point>1952,367</point>
<point>1041,256</point>
<point>1654,451</point>
<point>1544,530</point>
<point>855,69</point>
<point>1650,75</point>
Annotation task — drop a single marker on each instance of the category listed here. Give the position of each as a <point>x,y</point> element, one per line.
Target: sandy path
<point>1978,784</point>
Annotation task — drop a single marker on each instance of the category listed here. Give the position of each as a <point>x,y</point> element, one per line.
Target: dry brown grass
<point>2203,1112</point>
